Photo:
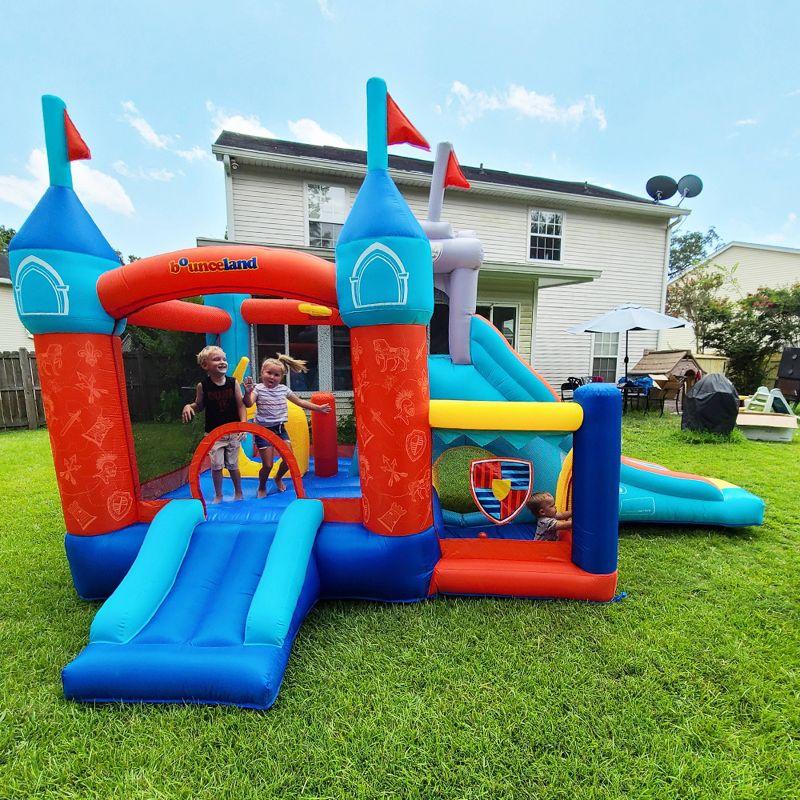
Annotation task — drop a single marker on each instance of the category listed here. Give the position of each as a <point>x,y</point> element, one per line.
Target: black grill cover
<point>712,404</point>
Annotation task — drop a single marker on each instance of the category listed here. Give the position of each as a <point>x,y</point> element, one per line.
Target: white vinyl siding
<point>12,332</point>
<point>630,252</point>
<point>760,267</point>
<point>269,208</point>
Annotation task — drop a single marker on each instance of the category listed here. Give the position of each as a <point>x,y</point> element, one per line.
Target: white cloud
<point>311,132</point>
<point>93,186</point>
<point>195,153</point>
<point>325,9</point>
<point>143,127</point>
<point>238,123</point>
<point>152,174</point>
<point>786,231</point>
<point>160,141</point>
<point>793,93</point>
<point>473,104</point>
<point>741,123</point>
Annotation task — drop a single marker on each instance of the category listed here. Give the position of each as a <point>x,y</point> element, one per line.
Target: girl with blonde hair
<point>271,397</point>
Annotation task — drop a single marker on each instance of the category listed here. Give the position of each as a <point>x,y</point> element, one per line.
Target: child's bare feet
<point>217,499</point>
<point>261,494</point>
<point>279,485</point>
<point>238,496</point>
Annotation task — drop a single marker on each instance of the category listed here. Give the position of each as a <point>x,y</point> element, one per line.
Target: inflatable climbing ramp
<point>207,613</point>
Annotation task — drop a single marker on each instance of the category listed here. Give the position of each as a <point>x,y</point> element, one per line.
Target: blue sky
<point>610,92</point>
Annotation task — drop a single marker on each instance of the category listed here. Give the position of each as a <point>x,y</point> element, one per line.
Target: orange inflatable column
<point>84,398</point>
<point>390,385</point>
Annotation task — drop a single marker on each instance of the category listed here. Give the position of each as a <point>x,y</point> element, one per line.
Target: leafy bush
<point>451,477</point>
<point>170,405</point>
<point>346,429</point>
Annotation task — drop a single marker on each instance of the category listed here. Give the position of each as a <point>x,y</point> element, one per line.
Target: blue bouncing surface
<point>269,509</point>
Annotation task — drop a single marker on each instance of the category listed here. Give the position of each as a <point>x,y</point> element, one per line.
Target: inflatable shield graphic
<point>500,487</point>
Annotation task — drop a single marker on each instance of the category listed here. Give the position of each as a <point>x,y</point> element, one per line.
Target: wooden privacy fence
<point>21,393</point>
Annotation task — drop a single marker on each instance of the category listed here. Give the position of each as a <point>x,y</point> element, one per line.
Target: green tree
<point>696,297</point>
<point>690,249</point>
<point>6,234</point>
<point>760,325</point>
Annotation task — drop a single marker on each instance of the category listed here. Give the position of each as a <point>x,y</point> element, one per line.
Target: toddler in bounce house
<point>270,398</point>
<point>549,521</point>
<point>221,397</point>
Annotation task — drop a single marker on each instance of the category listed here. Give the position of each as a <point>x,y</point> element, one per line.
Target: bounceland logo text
<point>219,265</point>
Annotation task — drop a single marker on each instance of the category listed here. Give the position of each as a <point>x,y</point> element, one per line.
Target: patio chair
<point>669,391</point>
<point>569,386</point>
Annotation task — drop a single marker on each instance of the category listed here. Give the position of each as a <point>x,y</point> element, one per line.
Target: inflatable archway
<point>214,270</point>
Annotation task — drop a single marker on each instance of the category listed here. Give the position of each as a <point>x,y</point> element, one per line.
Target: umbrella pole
<point>626,356</point>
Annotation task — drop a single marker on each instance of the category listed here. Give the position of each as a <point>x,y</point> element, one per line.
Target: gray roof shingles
<point>345,155</point>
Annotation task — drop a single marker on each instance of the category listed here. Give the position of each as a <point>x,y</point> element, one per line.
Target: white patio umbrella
<point>629,317</point>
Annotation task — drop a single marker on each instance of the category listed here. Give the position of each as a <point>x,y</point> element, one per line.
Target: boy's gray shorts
<point>225,452</point>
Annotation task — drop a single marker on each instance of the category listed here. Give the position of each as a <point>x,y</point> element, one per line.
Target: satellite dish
<point>690,186</point>
<point>661,187</point>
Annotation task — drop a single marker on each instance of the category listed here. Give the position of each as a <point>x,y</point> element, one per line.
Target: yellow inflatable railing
<point>491,415</point>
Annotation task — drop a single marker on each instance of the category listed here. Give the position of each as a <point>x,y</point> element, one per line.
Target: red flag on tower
<point>77,149</point>
<point>399,129</point>
<point>454,176</point>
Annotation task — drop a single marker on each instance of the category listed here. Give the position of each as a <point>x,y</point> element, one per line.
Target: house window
<point>545,235</point>
<point>605,351</point>
<point>440,330</point>
<point>326,208</point>
<point>326,351</point>
<point>504,318</point>
<point>299,341</point>
<point>342,375</point>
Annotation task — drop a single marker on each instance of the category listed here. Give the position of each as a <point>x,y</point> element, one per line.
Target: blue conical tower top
<point>384,271</point>
<point>59,221</point>
<point>59,252</point>
<point>379,208</point>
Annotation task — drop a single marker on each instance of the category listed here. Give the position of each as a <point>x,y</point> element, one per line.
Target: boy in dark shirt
<point>221,397</point>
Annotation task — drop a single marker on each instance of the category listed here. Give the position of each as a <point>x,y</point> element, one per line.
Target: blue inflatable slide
<point>207,612</point>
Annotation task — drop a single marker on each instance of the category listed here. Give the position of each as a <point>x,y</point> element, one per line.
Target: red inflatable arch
<point>204,448</point>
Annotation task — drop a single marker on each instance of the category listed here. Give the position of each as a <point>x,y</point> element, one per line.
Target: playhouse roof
<point>230,142</point>
<point>665,362</point>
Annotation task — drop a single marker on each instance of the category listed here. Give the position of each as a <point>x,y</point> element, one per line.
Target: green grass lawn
<point>164,446</point>
<point>689,688</point>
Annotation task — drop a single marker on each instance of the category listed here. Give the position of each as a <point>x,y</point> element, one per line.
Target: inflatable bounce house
<point>202,604</point>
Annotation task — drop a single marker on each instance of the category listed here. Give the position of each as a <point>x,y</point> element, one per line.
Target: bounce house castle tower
<point>56,259</point>
<point>384,282</point>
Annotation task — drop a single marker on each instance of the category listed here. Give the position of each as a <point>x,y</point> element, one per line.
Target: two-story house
<point>556,253</point>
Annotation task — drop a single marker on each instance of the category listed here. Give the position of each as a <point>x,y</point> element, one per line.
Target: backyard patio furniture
<point>569,386</point>
<point>629,317</point>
